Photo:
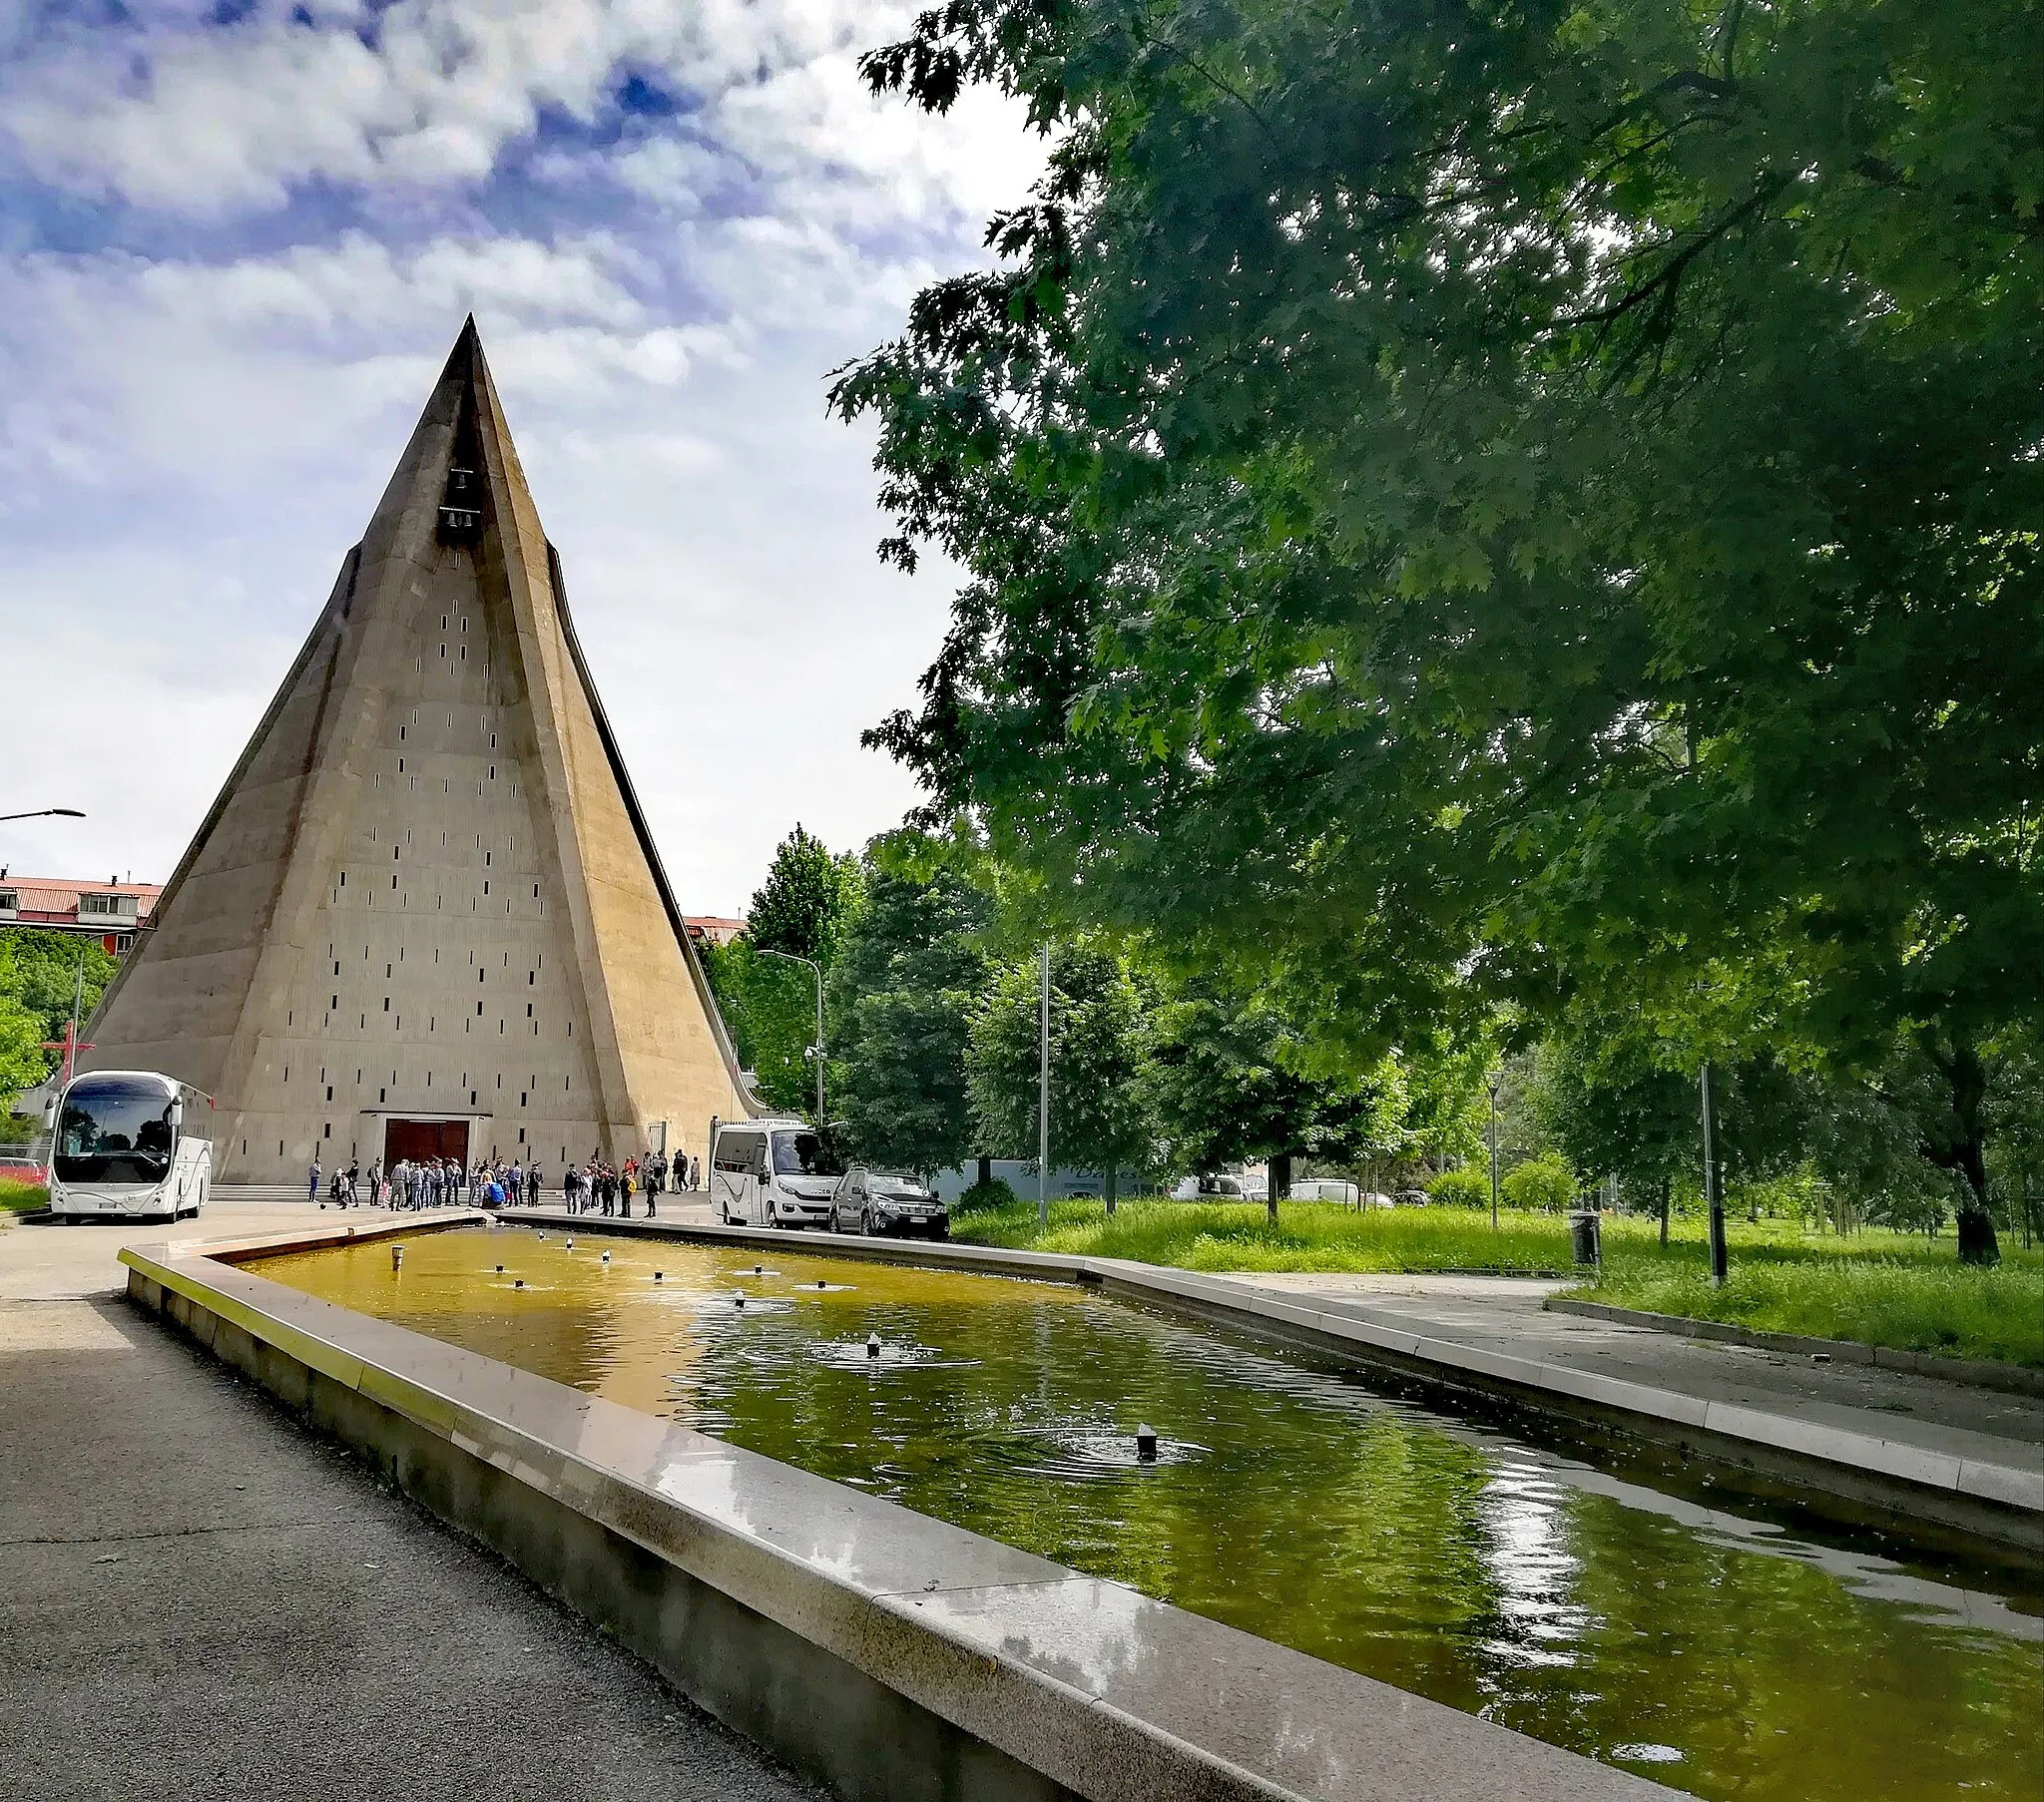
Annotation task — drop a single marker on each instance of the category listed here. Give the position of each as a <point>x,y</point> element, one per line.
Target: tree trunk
<point>986,1170</point>
<point>1666,1184</point>
<point>1107,1189</point>
<point>1960,1145</point>
<point>1281,1183</point>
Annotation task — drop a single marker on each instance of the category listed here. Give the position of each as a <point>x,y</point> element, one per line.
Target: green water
<point>1710,1649</point>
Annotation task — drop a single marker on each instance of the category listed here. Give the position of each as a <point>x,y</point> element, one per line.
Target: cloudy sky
<point>236,239</point>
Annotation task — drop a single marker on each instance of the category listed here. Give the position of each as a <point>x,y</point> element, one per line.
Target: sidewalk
<point>200,1600</point>
<point>1505,1315</point>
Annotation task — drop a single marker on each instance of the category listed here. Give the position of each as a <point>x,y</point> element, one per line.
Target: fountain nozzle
<point>658,1274</point>
<point>872,1345</point>
<point>1146,1445</point>
<point>397,1258</point>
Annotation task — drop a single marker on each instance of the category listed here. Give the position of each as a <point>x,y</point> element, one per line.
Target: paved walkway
<point>1504,1315</point>
<point>200,1600</point>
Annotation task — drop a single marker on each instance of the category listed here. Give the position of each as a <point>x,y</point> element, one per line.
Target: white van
<point>772,1173</point>
<point>121,1148</point>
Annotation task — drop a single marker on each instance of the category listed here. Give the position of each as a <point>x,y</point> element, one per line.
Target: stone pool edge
<point>2002,1504</point>
<point>887,1653</point>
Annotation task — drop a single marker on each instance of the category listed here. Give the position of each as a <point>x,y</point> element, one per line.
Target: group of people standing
<point>414,1183</point>
<point>599,1188</point>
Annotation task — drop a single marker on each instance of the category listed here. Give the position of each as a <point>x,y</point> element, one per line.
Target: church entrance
<point>418,1140</point>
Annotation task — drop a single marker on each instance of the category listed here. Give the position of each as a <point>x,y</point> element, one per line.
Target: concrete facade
<point>426,895</point>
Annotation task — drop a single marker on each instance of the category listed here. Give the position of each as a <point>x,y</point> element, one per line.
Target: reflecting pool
<point>1710,1649</point>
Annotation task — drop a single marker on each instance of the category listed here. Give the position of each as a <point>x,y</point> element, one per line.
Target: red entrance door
<point>422,1139</point>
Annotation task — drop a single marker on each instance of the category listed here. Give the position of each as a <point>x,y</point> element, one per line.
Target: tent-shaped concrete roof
<point>426,897</point>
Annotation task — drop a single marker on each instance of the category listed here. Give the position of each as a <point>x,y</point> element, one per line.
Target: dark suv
<point>878,1202</point>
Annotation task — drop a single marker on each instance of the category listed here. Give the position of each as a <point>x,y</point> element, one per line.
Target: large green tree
<point>908,980</point>
<point>1100,1115</point>
<point>1229,1085</point>
<point>808,901</point>
<point>1505,500</point>
<point>770,1009</point>
<point>39,985</point>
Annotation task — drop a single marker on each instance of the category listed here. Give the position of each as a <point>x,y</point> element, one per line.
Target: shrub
<point>1460,1189</point>
<point>993,1192</point>
<point>1544,1183</point>
<point>22,1198</point>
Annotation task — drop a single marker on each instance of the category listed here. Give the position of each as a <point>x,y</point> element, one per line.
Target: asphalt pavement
<point>199,1599</point>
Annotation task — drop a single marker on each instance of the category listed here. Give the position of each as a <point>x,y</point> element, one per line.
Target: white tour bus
<point>772,1173</point>
<point>121,1149</point>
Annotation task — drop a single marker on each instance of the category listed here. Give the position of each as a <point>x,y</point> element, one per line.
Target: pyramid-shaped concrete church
<point>424,915</point>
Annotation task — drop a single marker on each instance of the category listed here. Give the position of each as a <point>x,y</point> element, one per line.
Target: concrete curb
<point>1985,1498</point>
<point>893,1655</point>
<point>2010,1379</point>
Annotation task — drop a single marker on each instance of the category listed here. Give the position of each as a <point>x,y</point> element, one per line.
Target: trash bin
<point>1584,1236</point>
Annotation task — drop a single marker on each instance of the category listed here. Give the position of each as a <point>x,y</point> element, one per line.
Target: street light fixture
<point>816,970</point>
<point>46,813</point>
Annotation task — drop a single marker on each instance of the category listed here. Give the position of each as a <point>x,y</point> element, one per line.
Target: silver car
<point>879,1202</point>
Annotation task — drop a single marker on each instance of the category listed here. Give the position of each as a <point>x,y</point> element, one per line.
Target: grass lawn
<point>1884,1288</point>
<point>20,1198</point>
<point>1916,1306</point>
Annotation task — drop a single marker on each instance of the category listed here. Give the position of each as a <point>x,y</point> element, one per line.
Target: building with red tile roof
<point>111,909</point>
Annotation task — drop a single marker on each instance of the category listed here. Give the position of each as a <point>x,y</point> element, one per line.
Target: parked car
<point>1208,1188</point>
<point>1410,1197</point>
<point>882,1201</point>
<point>1324,1189</point>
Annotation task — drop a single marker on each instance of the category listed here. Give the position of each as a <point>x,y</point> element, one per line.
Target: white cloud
<point>234,117</point>
<point>189,442</point>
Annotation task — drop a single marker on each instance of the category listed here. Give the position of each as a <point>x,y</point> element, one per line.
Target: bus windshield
<point>114,1131</point>
<point>804,1154</point>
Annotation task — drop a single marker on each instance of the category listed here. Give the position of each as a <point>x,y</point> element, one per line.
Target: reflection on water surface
<point>1710,1650</point>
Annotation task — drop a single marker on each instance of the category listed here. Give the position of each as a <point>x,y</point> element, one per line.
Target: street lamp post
<point>1043,1100</point>
<point>816,970</point>
<point>46,813</point>
<point>1498,1083</point>
<point>1714,1185</point>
